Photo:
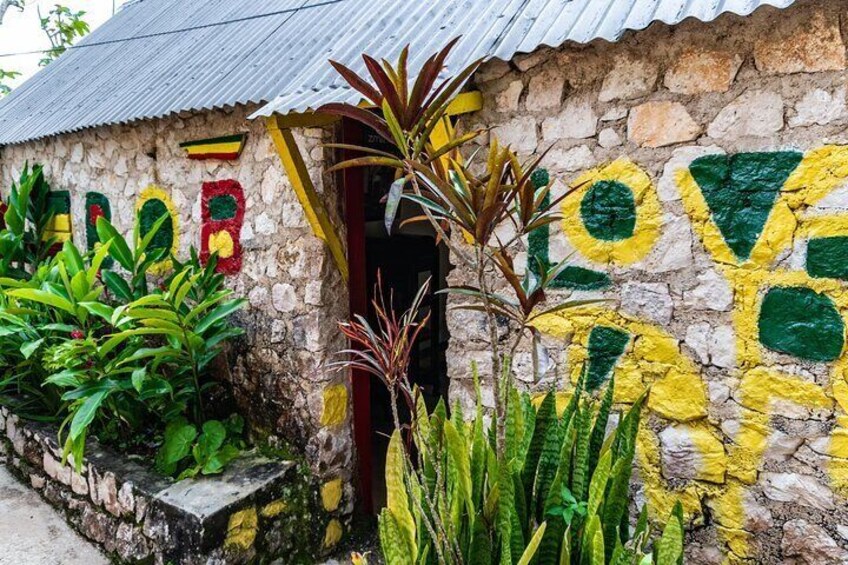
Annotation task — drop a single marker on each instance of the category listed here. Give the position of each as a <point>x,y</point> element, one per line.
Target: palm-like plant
<point>386,351</point>
<point>455,198</point>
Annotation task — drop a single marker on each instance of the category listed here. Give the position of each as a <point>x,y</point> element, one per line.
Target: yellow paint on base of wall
<point>241,529</point>
<point>331,494</point>
<point>335,406</point>
<point>274,509</point>
<point>333,534</point>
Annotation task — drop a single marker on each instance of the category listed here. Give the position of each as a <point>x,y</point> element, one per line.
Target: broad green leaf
<point>211,440</point>
<point>30,347</point>
<point>219,314</point>
<point>44,297</point>
<point>138,376</point>
<point>179,436</point>
<point>84,415</point>
<point>117,285</point>
<point>533,545</point>
<point>118,248</point>
<point>670,545</point>
<point>397,501</point>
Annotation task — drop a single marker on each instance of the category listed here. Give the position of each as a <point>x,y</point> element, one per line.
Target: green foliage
<point>188,452</point>
<point>63,27</point>
<point>23,245</point>
<point>563,500</point>
<point>118,357</point>
<point>4,76</point>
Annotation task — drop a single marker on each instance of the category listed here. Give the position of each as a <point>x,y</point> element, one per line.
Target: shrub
<point>121,357</point>
<point>537,486</point>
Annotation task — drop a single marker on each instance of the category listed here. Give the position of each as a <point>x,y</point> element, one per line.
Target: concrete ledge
<point>258,509</point>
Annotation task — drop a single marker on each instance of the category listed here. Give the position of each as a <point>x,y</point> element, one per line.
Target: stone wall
<point>258,509</point>
<point>295,291</point>
<point>712,214</point>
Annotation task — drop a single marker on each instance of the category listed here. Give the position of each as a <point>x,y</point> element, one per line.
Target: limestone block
<point>674,248</point>
<point>806,41</point>
<point>609,138</point>
<point>723,347</point>
<point>629,78</point>
<point>782,446</point>
<point>692,453</point>
<point>667,190</point>
<point>507,99</point>
<point>702,71</point>
<point>712,293</point>
<point>568,160</point>
<point>265,225</point>
<point>577,120</point>
<point>615,113</point>
<point>545,90</point>
<point>698,338</point>
<point>649,300</point>
<point>819,107</point>
<point>797,489</point>
<point>810,544</point>
<point>284,297</point>
<point>657,124</point>
<point>755,113</point>
<point>258,296</point>
<point>519,134</point>
<point>492,69</point>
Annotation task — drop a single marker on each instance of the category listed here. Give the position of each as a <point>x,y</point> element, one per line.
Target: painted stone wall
<point>246,210</point>
<point>712,214</point>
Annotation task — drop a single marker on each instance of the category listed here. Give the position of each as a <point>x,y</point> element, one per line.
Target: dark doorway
<point>405,259</point>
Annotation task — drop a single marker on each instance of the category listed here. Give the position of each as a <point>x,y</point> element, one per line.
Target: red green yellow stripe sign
<point>227,148</point>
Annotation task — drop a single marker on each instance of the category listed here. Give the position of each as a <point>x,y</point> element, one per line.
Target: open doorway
<point>405,259</point>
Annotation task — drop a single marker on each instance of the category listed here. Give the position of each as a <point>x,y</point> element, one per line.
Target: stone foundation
<point>259,509</point>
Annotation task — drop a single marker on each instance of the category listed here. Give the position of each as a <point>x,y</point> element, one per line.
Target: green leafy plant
<point>537,486</point>
<point>4,77</point>
<point>206,452</point>
<point>23,242</point>
<point>63,27</point>
<point>562,496</point>
<point>120,360</point>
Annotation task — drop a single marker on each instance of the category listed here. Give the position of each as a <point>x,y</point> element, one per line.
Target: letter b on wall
<point>223,214</point>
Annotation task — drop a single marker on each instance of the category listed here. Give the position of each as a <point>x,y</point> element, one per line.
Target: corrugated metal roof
<point>158,57</point>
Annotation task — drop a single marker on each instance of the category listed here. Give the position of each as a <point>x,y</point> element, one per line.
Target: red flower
<point>77,334</point>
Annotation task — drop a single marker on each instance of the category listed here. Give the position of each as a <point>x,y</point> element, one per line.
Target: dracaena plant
<point>474,202</point>
<point>385,351</point>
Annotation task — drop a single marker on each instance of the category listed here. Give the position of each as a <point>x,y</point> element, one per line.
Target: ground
<point>33,533</point>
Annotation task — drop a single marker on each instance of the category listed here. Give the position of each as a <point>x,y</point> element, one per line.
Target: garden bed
<point>258,507</point>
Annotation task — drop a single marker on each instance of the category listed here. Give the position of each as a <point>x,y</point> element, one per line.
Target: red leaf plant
<point>385,350</point>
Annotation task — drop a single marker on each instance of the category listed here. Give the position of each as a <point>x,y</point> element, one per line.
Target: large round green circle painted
<point>151,211</point>
<point>802,322</point>
<point>608,211</point>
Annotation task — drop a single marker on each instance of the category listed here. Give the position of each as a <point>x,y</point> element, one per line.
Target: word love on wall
<point>222,212</point>
<point>59,227</point>
<point>96,206</point>
<point>783,253</point>
<point>153,204</point>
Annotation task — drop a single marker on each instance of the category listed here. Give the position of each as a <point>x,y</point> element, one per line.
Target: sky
<point>20,31</point>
